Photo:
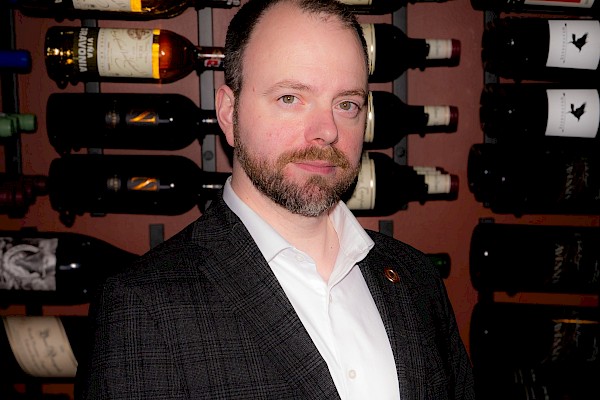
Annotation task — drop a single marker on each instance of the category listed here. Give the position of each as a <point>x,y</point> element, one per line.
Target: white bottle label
<point>574,44</point>
<point>439,49</point>
<point>28,264</point>
<point>41,346</point>
<point>370,128</point>
<point>558,3</point>
<point>573,112</point>
<point>363,197</point>
<point>127,53</point>
<point>109,5</point>
<point>437,183</point>
<point>369,34</point>
<point>437,115</point>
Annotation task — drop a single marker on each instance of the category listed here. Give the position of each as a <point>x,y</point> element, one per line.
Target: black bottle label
<point>28,264</point>
<point>576,261</point>
<point>85,46</point>
<point>574,339</point>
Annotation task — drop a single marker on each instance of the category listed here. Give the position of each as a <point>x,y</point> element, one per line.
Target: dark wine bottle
<point>384,187</point>
<point>543,381</point>
<point>542,49</point>
<point>525,334</point>
<point>82,54</point>
<point>535,180</point>
<point>537,113</point>
<point>125,121</point>
<point>571,7</point>
<point>15,61</point>
<point>129,184</point>
<point>60,268</point>
<point>12,124</point>
<point>542,258</point>
<point>44,349</point>
<point>114,9</point>
<point>391,52</point>
<point>18,192</point>
<point>386,109</point>
<point>380,7</point>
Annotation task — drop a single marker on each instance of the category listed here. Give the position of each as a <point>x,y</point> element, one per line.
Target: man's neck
<point>314,236</point>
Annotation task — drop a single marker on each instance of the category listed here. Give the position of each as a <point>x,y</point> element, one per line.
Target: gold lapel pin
<point>391,275</point>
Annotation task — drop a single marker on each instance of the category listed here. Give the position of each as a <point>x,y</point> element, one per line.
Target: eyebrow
<point>296,85</point>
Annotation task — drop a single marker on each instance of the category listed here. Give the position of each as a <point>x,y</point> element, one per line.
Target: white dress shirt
<point>339,315</point>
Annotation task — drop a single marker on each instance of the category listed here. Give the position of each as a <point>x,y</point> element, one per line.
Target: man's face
<point>300,116</point>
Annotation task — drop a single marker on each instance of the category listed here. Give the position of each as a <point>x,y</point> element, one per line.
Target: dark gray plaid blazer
<point>202,316</point>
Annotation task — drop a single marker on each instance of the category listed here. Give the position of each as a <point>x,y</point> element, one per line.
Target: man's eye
<point>347,105</point>
<point>288,99</point>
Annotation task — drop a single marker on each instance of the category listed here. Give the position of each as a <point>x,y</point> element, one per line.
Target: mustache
<point>329,154</point>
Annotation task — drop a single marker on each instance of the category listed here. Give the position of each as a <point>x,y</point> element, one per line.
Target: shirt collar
<point>355,243</point>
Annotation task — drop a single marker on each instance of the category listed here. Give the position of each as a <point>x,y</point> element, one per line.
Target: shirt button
<point>352,374</point>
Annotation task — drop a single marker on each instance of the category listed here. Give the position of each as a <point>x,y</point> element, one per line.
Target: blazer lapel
<point>400,318</point>
<point>243,276</point>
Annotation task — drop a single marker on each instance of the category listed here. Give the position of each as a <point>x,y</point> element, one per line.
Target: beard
<point>311,198</point>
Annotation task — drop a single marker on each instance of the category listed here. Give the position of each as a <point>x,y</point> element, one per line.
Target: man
<point>276,292</point>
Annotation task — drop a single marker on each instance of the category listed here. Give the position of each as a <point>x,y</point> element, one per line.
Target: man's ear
<point>225,104</point>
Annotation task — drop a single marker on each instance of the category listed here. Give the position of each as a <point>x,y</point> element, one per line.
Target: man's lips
<point>316,166</point>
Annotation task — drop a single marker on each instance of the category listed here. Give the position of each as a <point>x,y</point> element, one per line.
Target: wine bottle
<point>530,180</point>
<point>12,124</point>
<point>82,54</point>
<point>114,9</point>
<point>42,348</point>
<point>525,334</point>
<point>537,113</point>
<point>535,258</point>
<point>548,382</point>
<point>542,49</point>
<point>380,7</point>
<point>575,7</point>
<point>15,60</point>
<point>60,268</point>
<point>385,109</point>
<point>391,52</point>
<point>125,121</point>
<point>129,184</point>
<point>384,187</point>
<point>18,192</point>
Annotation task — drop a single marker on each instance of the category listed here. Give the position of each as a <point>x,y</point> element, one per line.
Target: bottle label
<point>437,183</point>
<point>128,53</point>
<point>363,197</point>
<point>370,128</point>
<point>573,112</point>
<point>41,346</point>
<point>134,184</point>
<point>574,44</point>
<point>109,5</point>
<point>369,34</point>
<point>28,264</point>
<point>437,115</point>
<point>561,3</point>
<point>575,340</point>
<point>85,49</point>
<point>439,49</point>
<point>576,262</point>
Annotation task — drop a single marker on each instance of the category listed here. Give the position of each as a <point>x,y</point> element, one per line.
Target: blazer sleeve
<point>128,357</point>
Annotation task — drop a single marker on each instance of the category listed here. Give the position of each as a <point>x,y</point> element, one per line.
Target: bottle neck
<point>209,58</point>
